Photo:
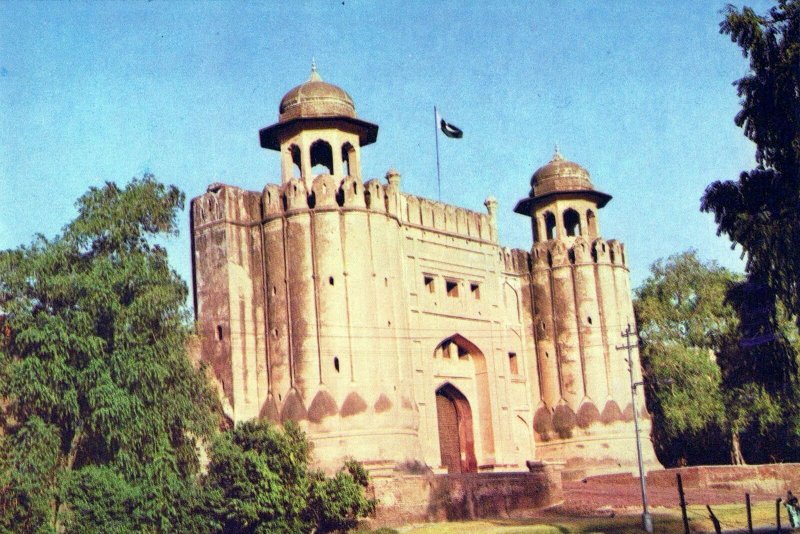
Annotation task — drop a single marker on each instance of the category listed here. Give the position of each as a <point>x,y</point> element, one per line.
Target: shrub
<point>258,481</point>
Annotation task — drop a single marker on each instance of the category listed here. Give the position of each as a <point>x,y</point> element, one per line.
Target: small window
<point>429,284</point>
<point>452,288</point>
<point>475,289</point>
<point>336,363</point>
<point>219,332</point>
<point>512,363</point>
<point>330,280</point>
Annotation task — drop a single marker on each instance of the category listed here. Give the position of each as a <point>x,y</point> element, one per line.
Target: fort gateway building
<point>398,330</point>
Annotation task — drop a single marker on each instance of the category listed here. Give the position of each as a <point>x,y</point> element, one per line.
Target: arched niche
<point>459,349</point>
<point>523,439</point>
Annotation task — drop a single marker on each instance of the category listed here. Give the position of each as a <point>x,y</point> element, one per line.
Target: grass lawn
<point>734,516</point>
<point>666,521</point>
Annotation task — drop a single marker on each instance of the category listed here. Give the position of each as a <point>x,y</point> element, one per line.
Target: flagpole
<point>436,133</point>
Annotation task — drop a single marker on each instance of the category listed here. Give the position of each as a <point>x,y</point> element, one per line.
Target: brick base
<point>429,497</point>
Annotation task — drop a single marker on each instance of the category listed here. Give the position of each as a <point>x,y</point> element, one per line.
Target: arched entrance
<point>456,441</point>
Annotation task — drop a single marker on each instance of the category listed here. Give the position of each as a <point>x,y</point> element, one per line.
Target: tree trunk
<point>736,450</point>
<point>68,463</point>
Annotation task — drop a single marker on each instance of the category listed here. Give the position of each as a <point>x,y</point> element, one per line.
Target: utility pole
<point>647,519</point>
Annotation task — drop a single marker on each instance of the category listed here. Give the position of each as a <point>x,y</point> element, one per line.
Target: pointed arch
<point>321,156</point>
<point>591,221</point>
<point>293,155</point>
<point>459,348</point>
<point>349,160</point>
<point>523,439</point>
<point>549,225</point>
<point>456,437</point>
<point>511,302</point>
<point>572,223</point>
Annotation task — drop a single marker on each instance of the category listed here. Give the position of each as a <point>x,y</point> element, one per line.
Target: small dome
<point>312,105</point>
<point>316,98</point>
<point>560,178</point>
<point>560,175</point>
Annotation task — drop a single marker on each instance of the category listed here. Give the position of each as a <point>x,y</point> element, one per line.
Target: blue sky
<point>639,93</point>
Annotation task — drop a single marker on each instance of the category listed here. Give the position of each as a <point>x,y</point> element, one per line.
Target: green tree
<point>258,482</point>
<point>99,397</point>
<point>720,376</point>
<point>683,324</point>
<point>761,210</point>
<point>760,376</point>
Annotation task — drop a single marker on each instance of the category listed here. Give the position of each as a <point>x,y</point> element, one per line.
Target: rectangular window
<point>512,363</point>
<point>429,284</point>
<point>476,290</point>
<point>452,288</point>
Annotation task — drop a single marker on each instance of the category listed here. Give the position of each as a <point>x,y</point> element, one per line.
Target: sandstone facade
<point>396,329</point>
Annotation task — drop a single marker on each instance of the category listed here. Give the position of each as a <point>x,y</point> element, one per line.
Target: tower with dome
<point>396,329</point>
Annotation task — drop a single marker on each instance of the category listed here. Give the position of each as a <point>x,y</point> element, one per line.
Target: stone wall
<point>347,306</point>
<point>409,498</point>
<point>773,478</point>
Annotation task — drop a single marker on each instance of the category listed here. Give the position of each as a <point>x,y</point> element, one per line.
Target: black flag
<point>450,130</point>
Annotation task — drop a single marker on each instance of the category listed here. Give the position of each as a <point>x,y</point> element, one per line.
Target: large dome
<point>316,98</point>
<point>560,175</point>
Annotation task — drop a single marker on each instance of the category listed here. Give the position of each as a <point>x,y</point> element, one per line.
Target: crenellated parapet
<point>556,253</point>
<point>516,260</point>
<point>326,193</point>
<point>581,251</point>
<point>295,195</point>
<point>617,253</point>
<point>224,203</point>
<point>375,196</point>
<point>559,254</point>
<point>352,192</point>
<point>440,217</point>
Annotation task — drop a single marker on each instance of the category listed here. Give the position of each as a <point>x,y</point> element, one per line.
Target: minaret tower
<point>582,302</point>
<point>562,203</point>
<point>317,130</point>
